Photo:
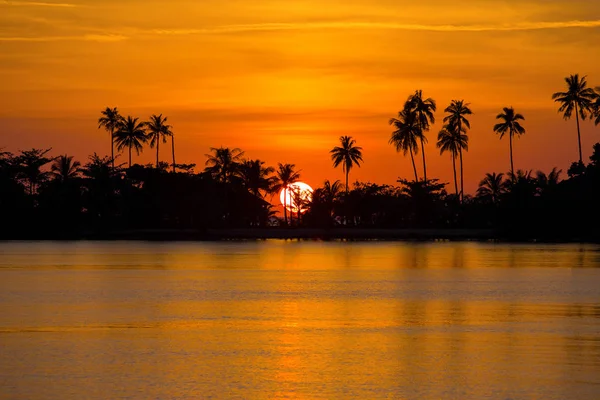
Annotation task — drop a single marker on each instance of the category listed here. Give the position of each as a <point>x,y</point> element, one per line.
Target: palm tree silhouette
<point>29,167</point>
<point>492,187</point>
<point>456,118</point>
<point>158,129</point>
<point>224,163</point>
<point>404,138</point>
<point>577,98</point>
<point>173,149</point>
<point>256,177</point>
<point>64,168</point>
<point>423,110</point>
<point>110,121</point>
<point>510,125</point>
<point>285,176</point>
<point>131,134</point>
<point>347,154</point>
<point>450,139</point>
<point>596,106</point>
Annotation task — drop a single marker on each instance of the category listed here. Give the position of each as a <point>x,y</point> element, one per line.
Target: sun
<point>296,196</point>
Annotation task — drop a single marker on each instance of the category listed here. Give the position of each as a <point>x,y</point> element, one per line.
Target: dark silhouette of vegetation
<point>511,125</point>
<point>110,120</point>
<point>457,124</point>
<point>286,175</point>
<point>406,134</point>
<point>423,110</point>
<point>347,155</point>
<point>131,134</point>
<point>158,130</point>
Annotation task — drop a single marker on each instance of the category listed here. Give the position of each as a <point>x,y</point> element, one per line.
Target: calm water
<point>276,319</point>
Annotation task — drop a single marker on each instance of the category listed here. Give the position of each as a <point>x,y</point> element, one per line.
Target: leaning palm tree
<point>451,140</point>
<point>173,149</point>
<point>285,176</point>
<point>158,130</point>
<point>131,134</point>
<point>423,110</point>
<point>110,121</point>
<point>224,163</point>
<point>256,177</point>
<point>64,168</point>
<point>512,126</point>
<point>405,135</point>
<point>347,154</point>
<point>492,187</point>
<point>577,98</point>
<point>457,111</point>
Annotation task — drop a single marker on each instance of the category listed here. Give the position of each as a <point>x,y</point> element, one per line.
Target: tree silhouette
<point>131,134</point>
<point>347,154</point>
<point>110,121</point>
<point>596,106</point>
<point>456,118</point>
<point>285,176</point>
<point>405,135</point>
<point>224,163</point>
<point>173,150</point>
<point>423,110</point>
<point>64,168</point>
<point>512,126</point>
<point>450,139</point>
<point>256,177</point>
<point>30,163</point>
<point>159,130</point>
<point>492,187</point>
<point>549,181</point>
<point>577,98</point>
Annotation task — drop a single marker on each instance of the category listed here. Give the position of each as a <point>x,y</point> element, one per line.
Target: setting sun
<point>296,196</point>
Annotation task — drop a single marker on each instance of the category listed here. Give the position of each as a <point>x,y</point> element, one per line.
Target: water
<point>279,320</point>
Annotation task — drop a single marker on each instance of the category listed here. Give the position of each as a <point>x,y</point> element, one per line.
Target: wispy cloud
<point>87,38</point>
<point>35,4</point>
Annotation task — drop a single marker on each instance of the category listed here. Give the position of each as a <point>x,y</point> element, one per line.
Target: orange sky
<point>284,79</point>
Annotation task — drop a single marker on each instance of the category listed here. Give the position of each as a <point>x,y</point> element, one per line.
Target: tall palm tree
<point>110,121</point>
<point>285,176</point>
<point>131,134</point>
<point>596,106</point>
<point>224,163</point>
<point>450,139</point>
<point>158,129</point>
<point>492,186</point>
<point>511,125</point>
<point>457,111</point>
<point>347,154</point>
<point>173,149</point>
<point>405,135</point>
<point>577,98</point>
<point>423,109</point>
<point>64,168</point>
<point>256,177</point>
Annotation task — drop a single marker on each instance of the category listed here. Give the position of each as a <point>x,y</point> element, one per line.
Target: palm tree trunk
<point>454,170</point>
<point>462,186</point>
<point>129,156</point>
<point>112,147</point>
<point>512,169</point>
<point>173,148</point>
<point>157,143</point>
<point>412,158</point>
<point>424,164</point>
<point>285,206</point>
<point>578,134</point>
<point>347,181</point>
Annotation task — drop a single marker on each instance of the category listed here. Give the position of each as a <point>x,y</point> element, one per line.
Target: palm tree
<point>64,168</point>
<point>492,186</point>
<point>347,154</point>
<point>457,110</point>
<point>110,121</point>
<point>423,110</point>
<point>173,149</point>
<point>224,163</point>
<point>578,97</point>
<point>256,177</point>
<point>285,176</point>
<point>131,134</point>
<point>158,129</point>
<point>596,106</point>
<point>512,126</point>
<point>406,134</point>
<point>452,141</point>
<point>29,166</point>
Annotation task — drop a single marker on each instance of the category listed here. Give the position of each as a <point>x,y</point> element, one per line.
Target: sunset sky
<point>284,79</point>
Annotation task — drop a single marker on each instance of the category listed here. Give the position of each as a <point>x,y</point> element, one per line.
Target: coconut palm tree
<point>406,134</point>
<point>158,129</point>
<point>347,154</point>
<point>256,177</point>
<point>110,121</point>
<point>457,111</point>
<point>511,125</point>
<point>577,98</point>
<point>492,187</point>
<point>173,149</point>
<point>285,176</point>
<point>224,163</point>
<point>596,106</point>
<point>423,110</point>
<point>450,139</point>
<point>131,134</point>
<point>64,168</point>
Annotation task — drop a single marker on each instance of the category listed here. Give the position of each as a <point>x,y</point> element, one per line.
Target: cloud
<point>35,4</point>
<point>86,38</point>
